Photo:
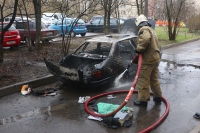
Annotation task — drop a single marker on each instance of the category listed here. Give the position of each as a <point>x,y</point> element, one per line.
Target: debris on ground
<point>95,117</point>
<point>26,89</point>
<point>83,99</point>
<point>45,92</point>
<point>111,96</point>
<point>106,108</point>
<point>122,118</point>
<point>197,115</point>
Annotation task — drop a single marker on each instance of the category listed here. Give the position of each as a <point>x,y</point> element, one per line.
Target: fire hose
<point>130,92</point>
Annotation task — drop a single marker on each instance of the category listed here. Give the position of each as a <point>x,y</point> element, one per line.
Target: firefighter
<point>148,46</point>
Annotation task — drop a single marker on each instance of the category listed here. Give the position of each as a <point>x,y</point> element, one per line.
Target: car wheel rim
<point>72,34</point>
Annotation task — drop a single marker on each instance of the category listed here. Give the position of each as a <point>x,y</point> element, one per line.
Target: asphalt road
<point>179,76</point>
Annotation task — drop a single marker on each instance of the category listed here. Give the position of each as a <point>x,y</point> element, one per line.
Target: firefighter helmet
<point>139,19</point>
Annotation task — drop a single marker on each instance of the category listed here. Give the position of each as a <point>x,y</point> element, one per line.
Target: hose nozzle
<point>129,64</point>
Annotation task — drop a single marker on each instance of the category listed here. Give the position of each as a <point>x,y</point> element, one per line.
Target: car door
<point>101,24</point>
<point>68,25</point>
<point>94,26</point>
<point>60,26</point>
<point>113,25</point>
<point>32,26</point>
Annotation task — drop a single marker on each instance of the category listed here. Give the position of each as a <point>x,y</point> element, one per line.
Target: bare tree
<point>109,7</point>
<point>140,6</point>
<point>22,8</point>
<point>74,9</point>
<point>37,7</point>
<point>173,13</point>
<point>4,29</point>
<point>192,16</point>
<point>159,10</point>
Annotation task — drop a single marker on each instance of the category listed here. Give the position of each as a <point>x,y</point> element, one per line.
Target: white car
<point>48,21</point>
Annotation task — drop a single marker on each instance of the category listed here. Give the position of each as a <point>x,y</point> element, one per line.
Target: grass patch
<point>182,36</point>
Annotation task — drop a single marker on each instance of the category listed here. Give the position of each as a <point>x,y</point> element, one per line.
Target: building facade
<point>129,9</point>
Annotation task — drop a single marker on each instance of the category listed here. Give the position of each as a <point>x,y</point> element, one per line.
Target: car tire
<point>45,41</point>
<point>72,33</point>
<point>27,41</point>
<point>83,34</point>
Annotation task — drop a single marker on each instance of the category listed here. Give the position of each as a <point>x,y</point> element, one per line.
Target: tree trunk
<point>37,7</point>
<point>146,8</point>
<point>105,16</point>
<point>1,52</point>
<point>173,11</point>
<point>7,26</point>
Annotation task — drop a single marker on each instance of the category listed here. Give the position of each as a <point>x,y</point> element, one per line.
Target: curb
<point>177,44</point>
<point>33,83</point>
<point>196,129</point>
<point>51,78</point>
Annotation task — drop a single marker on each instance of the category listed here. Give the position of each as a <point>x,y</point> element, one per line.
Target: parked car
<point>46,33</point>
<point>11,37</point>
<point>7,19</point>
<point>65,26</point>
<point>98,24</point>
<point>96,62</point>
<point>95,17</point>
<point>47,21</point>
<point>51,18</point>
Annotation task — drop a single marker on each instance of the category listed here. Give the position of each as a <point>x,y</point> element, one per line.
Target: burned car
<point>101,59</point>
<point>97,61</point>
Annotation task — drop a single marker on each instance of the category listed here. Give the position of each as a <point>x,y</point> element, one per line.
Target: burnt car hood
<point>129,26</point>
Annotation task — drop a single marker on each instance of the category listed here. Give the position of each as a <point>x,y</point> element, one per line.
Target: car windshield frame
<point>80,21</point>
<point>12,27</point>
<point>113,21</point>
<point>94,47</point>
<point>65,21</point>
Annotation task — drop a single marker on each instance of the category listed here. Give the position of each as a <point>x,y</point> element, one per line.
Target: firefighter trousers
<point>148,77</point>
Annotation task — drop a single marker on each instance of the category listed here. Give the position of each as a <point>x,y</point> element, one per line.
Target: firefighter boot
<point>157,100</point>
<point>140,103</point>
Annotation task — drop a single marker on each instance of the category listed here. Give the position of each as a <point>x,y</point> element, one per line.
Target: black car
<point>100,60</point>
<point>98,24</point>
<point>96,17</point>
<point>97,61</point>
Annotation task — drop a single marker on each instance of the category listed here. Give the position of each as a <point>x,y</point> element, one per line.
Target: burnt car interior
<point>88,53</point>
<point>100,51</point>
<point>94,50</point>
<point>97,61</point>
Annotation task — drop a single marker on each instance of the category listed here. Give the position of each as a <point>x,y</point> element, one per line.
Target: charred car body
<point>99,60</point>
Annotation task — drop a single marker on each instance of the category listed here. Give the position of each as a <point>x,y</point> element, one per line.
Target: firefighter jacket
<point>148,45</point>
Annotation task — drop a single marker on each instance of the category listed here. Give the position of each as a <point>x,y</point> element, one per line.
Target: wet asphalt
<point>179,76</point>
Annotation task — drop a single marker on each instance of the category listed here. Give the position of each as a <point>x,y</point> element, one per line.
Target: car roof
<point>111,38</point>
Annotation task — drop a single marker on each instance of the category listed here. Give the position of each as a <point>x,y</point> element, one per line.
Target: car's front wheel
<point>83,34</point>
<point>72,33</point>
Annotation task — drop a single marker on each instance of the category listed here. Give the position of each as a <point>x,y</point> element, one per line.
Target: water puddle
<point>30,114</point>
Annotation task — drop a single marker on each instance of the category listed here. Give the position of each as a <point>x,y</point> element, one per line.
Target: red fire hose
<point>130,92</point>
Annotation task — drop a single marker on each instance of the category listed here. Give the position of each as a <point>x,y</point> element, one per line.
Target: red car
<point>11,37</point>
<point>46,34</point>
